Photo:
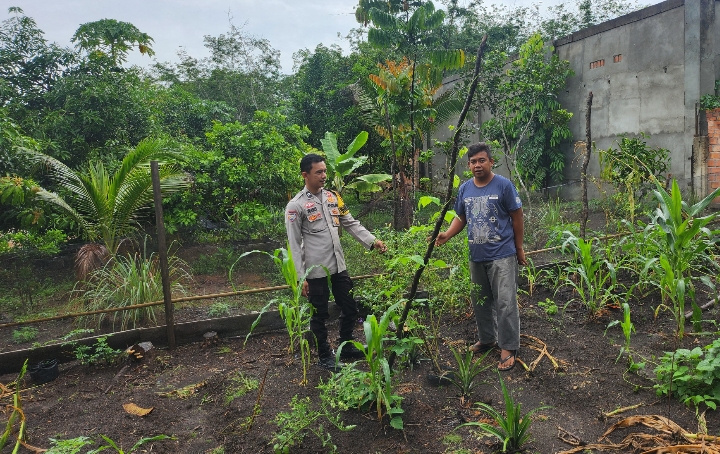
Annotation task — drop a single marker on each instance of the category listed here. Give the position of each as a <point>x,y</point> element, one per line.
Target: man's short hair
<point>479,148</point>
<point>308,160</point>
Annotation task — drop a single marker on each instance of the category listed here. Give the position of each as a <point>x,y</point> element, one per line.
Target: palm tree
<point>105,206</point>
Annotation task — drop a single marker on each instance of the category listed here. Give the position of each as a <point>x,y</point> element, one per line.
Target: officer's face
<point>315,178</point>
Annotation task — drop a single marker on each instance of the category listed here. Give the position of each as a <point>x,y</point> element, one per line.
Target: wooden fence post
<point>162,250</point>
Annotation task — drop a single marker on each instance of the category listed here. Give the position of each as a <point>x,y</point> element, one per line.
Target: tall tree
<point>29,66</point>
<point>410,29</point>
<point>528,120</point>
<point>242,70</point>
<point>320,98</point>
<point>112,39</point>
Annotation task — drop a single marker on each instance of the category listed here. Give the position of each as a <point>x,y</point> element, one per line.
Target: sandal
<point>483,348</point>
<point>513,356</point>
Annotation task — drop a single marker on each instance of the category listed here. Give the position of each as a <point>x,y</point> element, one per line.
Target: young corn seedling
<point>687,241</point>
<point>596,278</point>
<point>627,328</point>
<point>379,376</point>
<point>296,313</point>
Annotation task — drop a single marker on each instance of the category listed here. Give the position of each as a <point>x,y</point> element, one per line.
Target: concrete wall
<point>647,70</point>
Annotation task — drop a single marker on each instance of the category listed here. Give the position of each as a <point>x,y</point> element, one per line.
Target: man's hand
<point>305,289</point>
<point>380,246</point>
<point>521,257</point>
<point>442,238</point>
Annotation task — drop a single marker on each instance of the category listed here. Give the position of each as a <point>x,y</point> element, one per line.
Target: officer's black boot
<point>326,358</point>
<point>349,351</point>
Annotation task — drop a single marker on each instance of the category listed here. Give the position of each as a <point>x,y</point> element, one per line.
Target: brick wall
<point>713,162</point>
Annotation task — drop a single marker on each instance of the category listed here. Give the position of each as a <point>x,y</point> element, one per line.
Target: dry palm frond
<point>89,258</point>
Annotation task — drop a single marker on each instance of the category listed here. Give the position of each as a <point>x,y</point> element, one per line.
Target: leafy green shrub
<point>631,169</point>
<point>24,334</point>
<point>99,354</point>
<point>246,162</point>
<point>253,220</point>
<point>691,375</point>
<point>294,425</point>
<point>711,101</point>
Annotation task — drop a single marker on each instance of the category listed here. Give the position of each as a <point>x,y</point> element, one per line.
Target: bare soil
<point>187,389</point>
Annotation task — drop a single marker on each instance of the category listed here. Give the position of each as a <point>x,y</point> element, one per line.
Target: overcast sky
<point>289,25</point>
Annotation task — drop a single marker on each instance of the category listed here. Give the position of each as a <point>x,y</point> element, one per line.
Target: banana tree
<point>341,165</point>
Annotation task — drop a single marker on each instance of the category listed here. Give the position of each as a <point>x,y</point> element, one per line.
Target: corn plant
<point>112,445</point>
<point>295,313</point>
<point>627,328</point>
<point>596,279</point>
<point>379,378</point>
<point>533,274</point>
<point>512,428</point>
<point>16,413</point>
<point>684,245</point>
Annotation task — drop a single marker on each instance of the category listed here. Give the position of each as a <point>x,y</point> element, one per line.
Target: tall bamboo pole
<point>586,161</point>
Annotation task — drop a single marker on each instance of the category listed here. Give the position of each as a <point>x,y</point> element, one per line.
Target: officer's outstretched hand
<point>380,246</point>
<point>305,289</point>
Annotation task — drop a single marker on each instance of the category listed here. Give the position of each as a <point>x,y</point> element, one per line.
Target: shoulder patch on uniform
<point>342,207</point>
<point>292,215</point>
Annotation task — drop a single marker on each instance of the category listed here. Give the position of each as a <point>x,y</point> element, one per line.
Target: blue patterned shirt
<point>487,212</point>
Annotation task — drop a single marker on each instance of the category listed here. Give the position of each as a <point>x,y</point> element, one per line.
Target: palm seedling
<point>105,206</point>
<point>512,427</point>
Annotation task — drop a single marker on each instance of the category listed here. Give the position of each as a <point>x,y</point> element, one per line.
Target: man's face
<point>480,165</point>
<point>315,178</point>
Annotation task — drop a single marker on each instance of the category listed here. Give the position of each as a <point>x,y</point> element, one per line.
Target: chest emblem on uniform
<point>330,198</point>
<point>309,205</point>
<point>309,195</point>
<point>336,221</point>
<point>335,212</point>
<point>314,217</point>
<point>292,215</point>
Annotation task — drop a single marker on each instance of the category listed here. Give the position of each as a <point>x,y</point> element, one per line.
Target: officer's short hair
<point>308,160</point>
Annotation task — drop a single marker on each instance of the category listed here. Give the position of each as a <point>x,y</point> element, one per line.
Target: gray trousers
<point>494,298</point>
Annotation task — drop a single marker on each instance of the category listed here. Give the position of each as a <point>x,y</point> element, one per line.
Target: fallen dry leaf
<point>135,410</point>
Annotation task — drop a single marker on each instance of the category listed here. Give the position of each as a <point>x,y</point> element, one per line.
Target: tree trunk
<point>403,214</point>
<point>400,331</point>
<point>583,173</point>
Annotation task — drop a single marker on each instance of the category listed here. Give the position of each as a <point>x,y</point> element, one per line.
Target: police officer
<point>312,220</point>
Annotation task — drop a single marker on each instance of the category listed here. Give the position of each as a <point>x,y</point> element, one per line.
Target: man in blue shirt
<point>491,209</point>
